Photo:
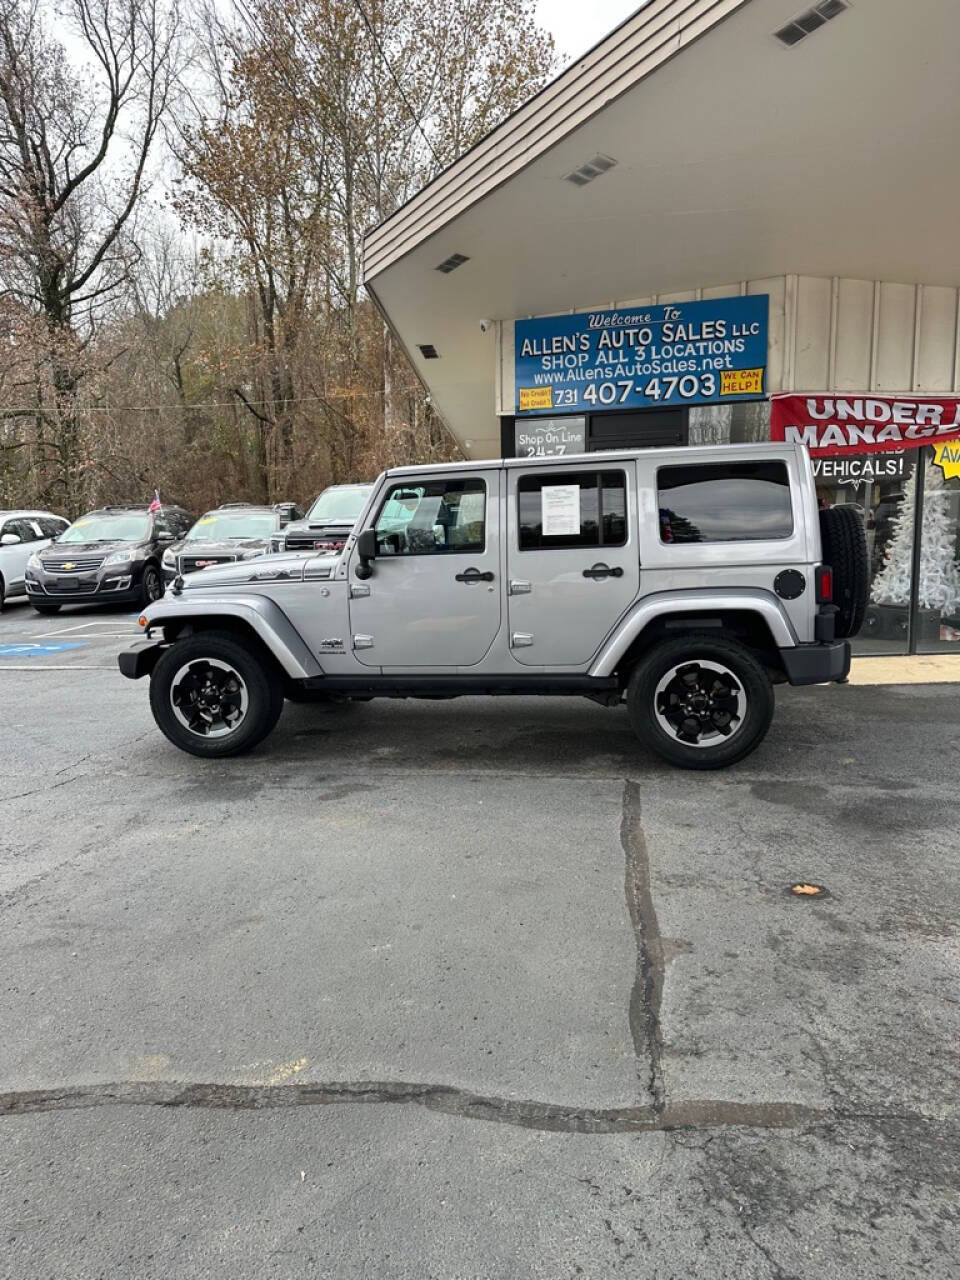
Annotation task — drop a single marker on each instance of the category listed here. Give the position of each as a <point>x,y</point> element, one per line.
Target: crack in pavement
<point>699,1114</point>
<point>647,991</point>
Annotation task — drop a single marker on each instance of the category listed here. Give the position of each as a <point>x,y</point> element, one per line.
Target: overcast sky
<point>576,25</point>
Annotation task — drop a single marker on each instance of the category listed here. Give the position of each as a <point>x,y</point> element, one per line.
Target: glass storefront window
<point>880,487</point>
<point>938,592</point>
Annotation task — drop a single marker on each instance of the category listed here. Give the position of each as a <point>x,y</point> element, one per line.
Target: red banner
<point>835,424</point>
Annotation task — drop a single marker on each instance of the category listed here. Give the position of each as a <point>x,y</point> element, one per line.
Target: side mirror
<point>10,540</point>
<point>366,551</point>
<point>165,536</point>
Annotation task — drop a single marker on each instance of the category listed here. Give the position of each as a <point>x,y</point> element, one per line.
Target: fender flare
<point>261,614</point>
<point>639,617</point>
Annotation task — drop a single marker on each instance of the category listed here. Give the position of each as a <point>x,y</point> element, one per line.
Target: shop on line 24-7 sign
<point>642,357</point>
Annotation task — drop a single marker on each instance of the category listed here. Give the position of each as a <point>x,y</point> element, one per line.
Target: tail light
<point>824,584</point>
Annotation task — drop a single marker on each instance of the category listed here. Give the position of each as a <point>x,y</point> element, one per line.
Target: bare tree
<point>75,142</point>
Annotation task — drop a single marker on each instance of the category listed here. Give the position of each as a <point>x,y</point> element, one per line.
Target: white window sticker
<point>560,510</point>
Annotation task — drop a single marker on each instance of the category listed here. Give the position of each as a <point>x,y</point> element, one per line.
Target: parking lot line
<point>84,626</point>
<point>46,666</point>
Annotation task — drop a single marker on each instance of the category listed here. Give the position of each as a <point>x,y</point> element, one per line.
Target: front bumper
<point>140,659</point>
<point>83,589</point>
<point>817,663</point>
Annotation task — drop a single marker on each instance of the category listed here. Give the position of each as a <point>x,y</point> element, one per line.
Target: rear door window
<point>572,509</point>
<point>724,502</point>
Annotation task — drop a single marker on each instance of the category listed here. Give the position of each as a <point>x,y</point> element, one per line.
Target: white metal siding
<point>829,334</point>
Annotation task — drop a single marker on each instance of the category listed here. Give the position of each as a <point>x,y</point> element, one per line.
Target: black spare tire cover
<point>844,548</point>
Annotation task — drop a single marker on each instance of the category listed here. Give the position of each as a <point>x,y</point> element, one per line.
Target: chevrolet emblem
<point>68,564</point>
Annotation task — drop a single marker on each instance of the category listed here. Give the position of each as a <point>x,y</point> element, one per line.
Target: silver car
<point>682,582</point>
<point>21,534</point>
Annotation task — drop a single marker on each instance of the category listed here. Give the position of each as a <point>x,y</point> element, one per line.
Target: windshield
<point>234,524</point>
<point>119,528</point>
<point>340,504</point>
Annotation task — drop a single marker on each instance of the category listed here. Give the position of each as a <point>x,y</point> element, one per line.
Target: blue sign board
<point>709,352</point>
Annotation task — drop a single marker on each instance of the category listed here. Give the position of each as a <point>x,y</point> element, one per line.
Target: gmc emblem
<point>205,564</point>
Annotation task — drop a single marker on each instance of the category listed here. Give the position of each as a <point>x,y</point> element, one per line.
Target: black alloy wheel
<point>700,701</point>
<point>209,697</point>
<point>213,694</point>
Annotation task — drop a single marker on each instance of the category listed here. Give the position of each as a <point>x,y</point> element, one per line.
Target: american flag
<point>155,504</point>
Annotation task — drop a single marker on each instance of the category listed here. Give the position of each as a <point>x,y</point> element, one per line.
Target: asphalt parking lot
<point>472,989</point>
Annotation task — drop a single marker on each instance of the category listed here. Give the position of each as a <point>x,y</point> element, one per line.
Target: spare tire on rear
<point>844,548</point>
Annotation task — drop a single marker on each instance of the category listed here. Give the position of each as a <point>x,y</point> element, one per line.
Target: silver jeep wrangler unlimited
<point>683,581</point>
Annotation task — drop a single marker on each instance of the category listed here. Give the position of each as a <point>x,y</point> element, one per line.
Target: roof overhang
<point>736,158</point>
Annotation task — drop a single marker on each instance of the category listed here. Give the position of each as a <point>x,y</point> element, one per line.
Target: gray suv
<point>682,582</point>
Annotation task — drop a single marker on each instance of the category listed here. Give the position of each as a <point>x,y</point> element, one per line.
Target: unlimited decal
<point>682,353</point>
<point>834,425</point>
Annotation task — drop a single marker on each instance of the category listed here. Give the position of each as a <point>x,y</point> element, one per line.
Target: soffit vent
<point>450,264</point>
<point>592,169</point>
<point>808,22</point>
<point>428,350</point>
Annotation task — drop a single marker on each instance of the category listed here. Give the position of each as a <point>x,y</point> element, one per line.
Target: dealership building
<point>731,220</point>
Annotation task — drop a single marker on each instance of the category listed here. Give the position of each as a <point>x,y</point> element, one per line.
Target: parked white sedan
<point>22,533</point>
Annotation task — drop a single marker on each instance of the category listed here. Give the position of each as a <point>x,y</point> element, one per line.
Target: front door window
<point>434,517</point>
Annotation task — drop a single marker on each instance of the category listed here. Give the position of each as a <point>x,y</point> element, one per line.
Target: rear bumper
<point>140,659</point>
<point>817,663</point>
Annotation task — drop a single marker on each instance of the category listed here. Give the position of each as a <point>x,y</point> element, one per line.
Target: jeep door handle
<point>600,571</point>
<point>474,575</point>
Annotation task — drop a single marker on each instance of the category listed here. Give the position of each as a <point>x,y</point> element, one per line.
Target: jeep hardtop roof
<point>685,453</point>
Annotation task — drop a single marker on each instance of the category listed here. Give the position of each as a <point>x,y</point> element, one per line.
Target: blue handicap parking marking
<point>37,650</point>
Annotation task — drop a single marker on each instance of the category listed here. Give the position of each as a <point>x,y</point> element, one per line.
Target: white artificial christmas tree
<point>939,570</point>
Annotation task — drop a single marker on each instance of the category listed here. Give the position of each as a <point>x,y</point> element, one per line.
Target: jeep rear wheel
<point>213,697</point>
<point>700,701</point>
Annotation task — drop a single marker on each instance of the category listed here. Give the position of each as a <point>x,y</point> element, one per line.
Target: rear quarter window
<point>724,502</point>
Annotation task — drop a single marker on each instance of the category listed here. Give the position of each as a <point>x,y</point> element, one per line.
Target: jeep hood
<point>288,567</point>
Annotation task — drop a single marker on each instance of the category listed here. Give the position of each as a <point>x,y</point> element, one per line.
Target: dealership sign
<point>862,468</point>
<point>642,357</point>
<point>835,425</point>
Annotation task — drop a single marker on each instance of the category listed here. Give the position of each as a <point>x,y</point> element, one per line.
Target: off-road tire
<point>47,608</point>
<point>689,651</point>
<point>844,548</point>
<point>263,688</point>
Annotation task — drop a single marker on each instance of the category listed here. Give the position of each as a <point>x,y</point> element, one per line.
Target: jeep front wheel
<point>212,697</point>
<point>700,702</point>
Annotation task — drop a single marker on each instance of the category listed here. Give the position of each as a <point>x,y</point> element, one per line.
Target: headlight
<point>170,558</point>
<point>35,562</point>
<point>125,557</point>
